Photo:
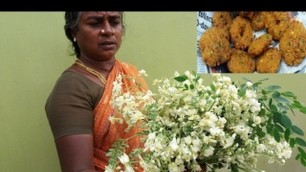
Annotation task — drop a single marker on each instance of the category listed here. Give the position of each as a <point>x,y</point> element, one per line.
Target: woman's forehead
<point>87,14</point>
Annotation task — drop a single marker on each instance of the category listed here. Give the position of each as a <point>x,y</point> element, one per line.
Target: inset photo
<point>251,42</point>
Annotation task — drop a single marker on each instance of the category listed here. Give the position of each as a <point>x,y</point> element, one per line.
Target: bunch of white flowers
<point>188,125</point>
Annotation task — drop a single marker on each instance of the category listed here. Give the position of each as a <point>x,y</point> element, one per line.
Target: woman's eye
<point>115,22</point>
<point>94,24</point>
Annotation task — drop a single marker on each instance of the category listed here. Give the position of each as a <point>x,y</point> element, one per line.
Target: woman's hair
<point>72,19</point>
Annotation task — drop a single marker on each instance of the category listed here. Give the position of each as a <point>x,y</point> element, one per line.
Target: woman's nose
<point>106,28</point>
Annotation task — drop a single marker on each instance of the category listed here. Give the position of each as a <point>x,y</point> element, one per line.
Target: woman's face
<point>99,34</point>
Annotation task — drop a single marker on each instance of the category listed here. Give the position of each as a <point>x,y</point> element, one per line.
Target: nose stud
<point>102,31</point>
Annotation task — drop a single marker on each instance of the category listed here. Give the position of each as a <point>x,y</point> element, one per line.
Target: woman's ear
<point>73,33</point>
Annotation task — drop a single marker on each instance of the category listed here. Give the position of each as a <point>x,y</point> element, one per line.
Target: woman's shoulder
<point>73,80</point>
<point>74,85</point>
<point>69,76</point>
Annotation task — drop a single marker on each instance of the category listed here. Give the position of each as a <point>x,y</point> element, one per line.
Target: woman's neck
<point>104,67</point>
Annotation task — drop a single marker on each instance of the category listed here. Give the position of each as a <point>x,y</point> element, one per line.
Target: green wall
<point>34,51</point>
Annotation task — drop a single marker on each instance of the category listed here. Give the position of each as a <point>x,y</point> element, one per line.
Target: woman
<point>78,108</point>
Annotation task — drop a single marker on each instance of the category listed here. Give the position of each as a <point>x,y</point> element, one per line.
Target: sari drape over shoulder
<point>105,133</point>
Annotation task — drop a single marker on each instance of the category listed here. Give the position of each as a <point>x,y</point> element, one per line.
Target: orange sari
<point>105,133</point>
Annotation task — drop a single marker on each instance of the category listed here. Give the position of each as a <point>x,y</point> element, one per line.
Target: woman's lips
<point>108,45</point>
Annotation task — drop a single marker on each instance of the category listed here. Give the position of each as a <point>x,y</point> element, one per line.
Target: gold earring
<point>74,39</point>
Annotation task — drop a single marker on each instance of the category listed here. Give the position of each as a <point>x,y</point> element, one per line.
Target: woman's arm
<point>76,153</point>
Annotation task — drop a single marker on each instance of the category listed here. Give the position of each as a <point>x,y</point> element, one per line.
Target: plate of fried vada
<point>251,42</point>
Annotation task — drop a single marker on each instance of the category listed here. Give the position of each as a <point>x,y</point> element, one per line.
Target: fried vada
<point>240,62</point>
<point>214,46</point>
<point>241,33</point>
<point>269,62</point>
<point>292,44</point>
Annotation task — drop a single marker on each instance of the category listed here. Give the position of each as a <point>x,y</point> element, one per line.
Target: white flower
<point>129,169</point>
<point>257,120</point>
<point>187,140</point>
<point>283,150</point>
<point>242,130</point>
<point>174,168</point>
<point>229,141</point>
<point>261,148</point>
<point>152,136</point>
<point>189,120</point>
<point>124,159</point>
<point>249,84</point>
<point>142,72</point>
<point>209,151</point>
<point>255,105</point>
<point>176,74</point>
<point>173,144</point>
<point>113,120</point>
<point>108,169</point>
<point>215,131</point>
<point>137,116</point>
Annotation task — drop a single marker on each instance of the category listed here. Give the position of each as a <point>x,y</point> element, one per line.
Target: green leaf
<point>276,135</point>
<point>260,133</point>
<point>234,168</point>
<point>242,90</point>
<point>282,107</point>
<point>270,101</point>
<point>213,88</point>
<point>256,84</point>
<point>287,134</point>
<point>288,94</point>
<point>297,130</point>
<point>264,92</point>
<point>270,129</point>
<point>292,142</point>
<point>191,86</point>
<point>282,100</point>
<point>276,94</point>
<point>286,121</point>
<point>303,110</point>
<point>186,87</point>
<point>300,141</point>
<point>181,78</point>
<point>298,156</point>
<point>277,118</point>
<point>303,161</point>
<point>273,108</point>
<point>272,87</point>
<point>297,104</point>
<point>279,128</point>
<point>269,122</point>
<point>262,112</point>
<point>302,152</point>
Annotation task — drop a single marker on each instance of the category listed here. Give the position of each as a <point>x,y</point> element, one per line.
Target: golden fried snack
<point>259,45</point>
<point>240,62</point>
<point>222,19</point>
<point>214,46</point>
<point>292,44</point>
<point>241,33</point>
<point>269,62</point>
<point>269,18</point>
<point>276,23</point>
<point>247,14</point>
<point>258,21</point>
